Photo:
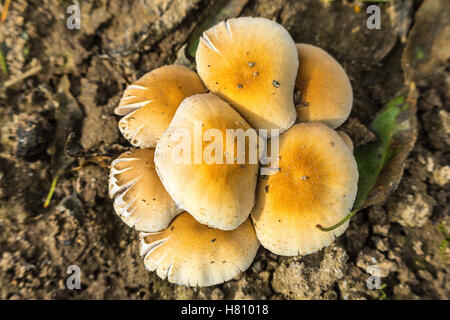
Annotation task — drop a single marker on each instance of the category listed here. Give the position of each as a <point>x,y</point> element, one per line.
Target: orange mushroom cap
<point>220,195</point>
<point>316,184</point>
<point>149,104</point>
<point>252,64</point>
<point>326,92</point>
<point>192,254</point>
<point>139,197</point>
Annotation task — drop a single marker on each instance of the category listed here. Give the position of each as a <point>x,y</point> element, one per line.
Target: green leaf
<point>372,158</point>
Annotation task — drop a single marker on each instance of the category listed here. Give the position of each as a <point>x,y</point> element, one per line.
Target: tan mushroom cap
<point>251,63</point>
<point>139,196</point>
<point>326,92</point>
<point>150,103</point>
<point>316,184</point>
<point>219,195</point>
<point>192,254</point>
<point>348,141</point>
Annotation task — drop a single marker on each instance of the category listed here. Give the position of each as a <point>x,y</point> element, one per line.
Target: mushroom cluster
<point>202,221</point>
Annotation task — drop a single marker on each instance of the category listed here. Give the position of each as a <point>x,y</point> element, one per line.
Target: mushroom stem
<point>340,223</point>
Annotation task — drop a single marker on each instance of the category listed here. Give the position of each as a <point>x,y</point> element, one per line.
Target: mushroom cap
<point>348,141</point>
<point>316,184</point>
<point>149,104</point>
<point>140,199</point>
<point>192,254</point>
<point>219,195</point>
<point>326,91</point>
<point>251,63</point>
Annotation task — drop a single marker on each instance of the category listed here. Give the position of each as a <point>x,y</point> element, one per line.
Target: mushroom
<point>139,197</point>
<point>348,141</point>
<point>252,64</point>
<point>316,184</point>
<point>189,253</point>
<point>213,185</point>
<point>149,104</point>
<point>325,91</point>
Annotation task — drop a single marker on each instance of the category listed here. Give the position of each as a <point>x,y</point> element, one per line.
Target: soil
<point>83,73</point>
